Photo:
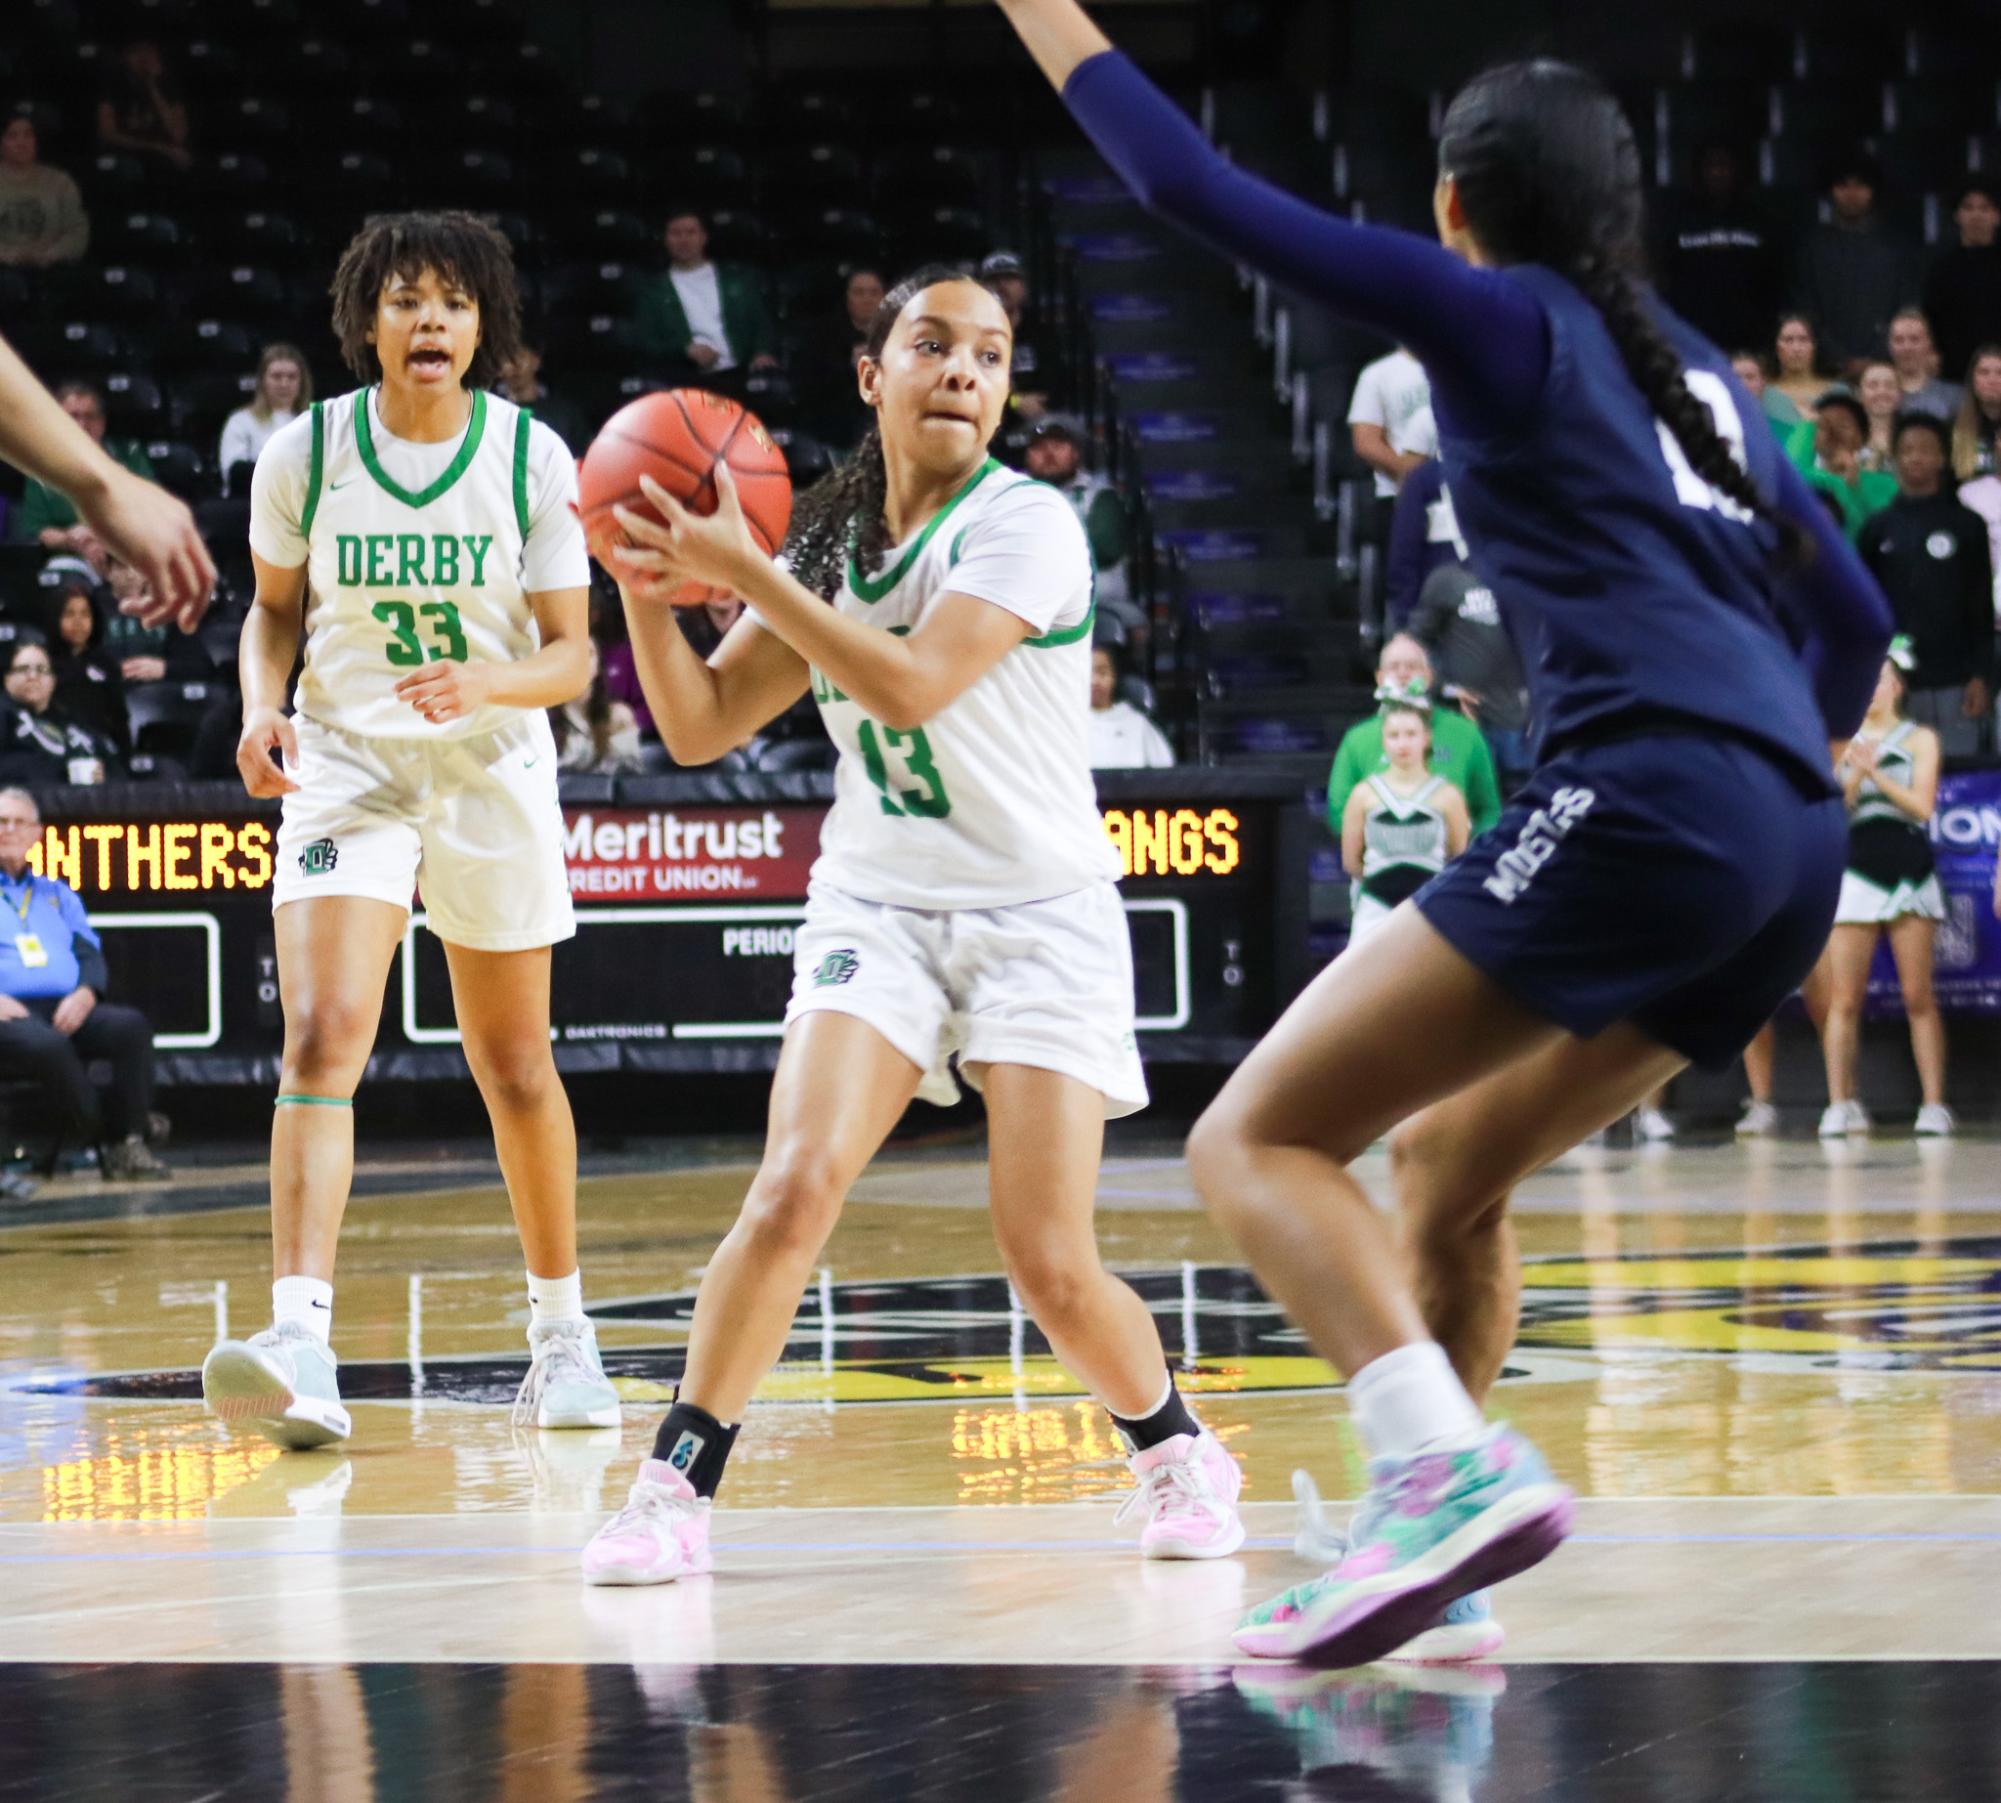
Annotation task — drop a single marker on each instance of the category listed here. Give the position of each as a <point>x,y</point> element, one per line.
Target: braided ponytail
<point>844,514</point>
<point>1656,368</point>
<point>843,511</point>
<point>1548,172</point>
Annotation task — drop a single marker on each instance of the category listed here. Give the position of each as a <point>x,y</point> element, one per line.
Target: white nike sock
<point>555,1298</point>
<point>306,1300</point>
<point>1411,1400</point>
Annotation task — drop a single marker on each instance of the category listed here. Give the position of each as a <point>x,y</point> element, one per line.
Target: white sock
<point>306,1300</point>
<point>555,1298</point>
<point>1411,1399</point>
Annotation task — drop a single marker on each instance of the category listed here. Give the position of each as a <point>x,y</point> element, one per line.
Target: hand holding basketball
<point>692,552</point>
<point>680,439</point>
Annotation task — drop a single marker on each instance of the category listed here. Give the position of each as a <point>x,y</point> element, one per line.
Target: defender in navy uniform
<point>1694,631</point>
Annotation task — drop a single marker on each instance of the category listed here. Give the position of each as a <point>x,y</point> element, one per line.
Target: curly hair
<point>463,249</point>
<point>842,514</point>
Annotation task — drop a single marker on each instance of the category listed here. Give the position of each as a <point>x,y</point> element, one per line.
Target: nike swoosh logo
<point>335,487</point>
<point>317,1303</point>
<point>529,763</point>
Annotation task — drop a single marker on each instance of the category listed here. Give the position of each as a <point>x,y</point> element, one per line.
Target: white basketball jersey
<point>398,578</point>
<point>990,803</point>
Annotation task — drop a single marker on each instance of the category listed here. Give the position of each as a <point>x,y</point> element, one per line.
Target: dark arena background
<point>1763,1353</point>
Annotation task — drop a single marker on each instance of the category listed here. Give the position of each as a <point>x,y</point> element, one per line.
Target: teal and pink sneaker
<point>1465,1634</point>
<point>1432,1529</point>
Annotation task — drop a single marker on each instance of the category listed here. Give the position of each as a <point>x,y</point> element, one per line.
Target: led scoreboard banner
<point>689,892</point>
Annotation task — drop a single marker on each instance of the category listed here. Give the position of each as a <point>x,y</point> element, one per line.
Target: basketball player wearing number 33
<point>963,901</point>
<point>422,532</point>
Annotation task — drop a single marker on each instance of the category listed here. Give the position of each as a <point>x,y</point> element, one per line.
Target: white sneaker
<point>661,1534</point>
<point>1839,1119</point>
<point>1859,1123</point>
<point>1935,1118</point>
<point>282,1382</point>
<point>1187,1489</point>
<point>1652,1126</point>
<point>566,1385</point>
<point>1760,1120</point>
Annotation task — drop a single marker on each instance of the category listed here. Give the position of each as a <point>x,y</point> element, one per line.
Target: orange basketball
<point>678,438</point>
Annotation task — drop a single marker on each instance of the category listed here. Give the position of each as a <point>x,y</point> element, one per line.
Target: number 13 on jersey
<point>913,750</point>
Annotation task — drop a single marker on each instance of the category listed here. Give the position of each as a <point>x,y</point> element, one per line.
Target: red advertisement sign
<point>690,854</point>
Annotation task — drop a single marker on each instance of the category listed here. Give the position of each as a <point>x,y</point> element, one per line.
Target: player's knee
<point>1219,1156</point>
<point>1414,1163</point>
<point>1053,1280</point>
<point>327,1039</point>
<point>795,1201</point>
<point>514,1077</point>
<point>1919,1001</point>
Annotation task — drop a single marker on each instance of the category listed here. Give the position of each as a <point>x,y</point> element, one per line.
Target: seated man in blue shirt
<point>52,1023</point>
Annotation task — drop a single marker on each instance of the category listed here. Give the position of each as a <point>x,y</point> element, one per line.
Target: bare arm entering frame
<point>149,528</point>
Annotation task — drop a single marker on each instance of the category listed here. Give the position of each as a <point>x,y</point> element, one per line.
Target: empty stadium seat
<point>91,346</point>
<point>164,715</point>
<point>737,234</point>
<point>181,468</point>
<point>938,234</point>
<point>118,236</point>
<point>836,234</point>
<point>806,115</point>
<point>199,404</point>
<point>135,405</point>
<point>609,234</point>
<point>713,175</point>
<point>254,123</point>
<point>829,174</point>
<point>670,117</point>
<point>116,293</point>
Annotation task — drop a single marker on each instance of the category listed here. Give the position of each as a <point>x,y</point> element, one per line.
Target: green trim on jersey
<point>959,543</point>
<point>467,451</point>
<point>1066,635</point>
<point>872,592</point>
<point>315,472</point>
<point>521,471</point>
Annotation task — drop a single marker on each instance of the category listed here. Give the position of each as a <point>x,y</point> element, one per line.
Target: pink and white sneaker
<point>661,1534</point>
<point>1187,1490</point>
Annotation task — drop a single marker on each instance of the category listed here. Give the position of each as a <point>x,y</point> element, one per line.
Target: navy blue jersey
<point>1634,594</point>
<point>1633,588</point>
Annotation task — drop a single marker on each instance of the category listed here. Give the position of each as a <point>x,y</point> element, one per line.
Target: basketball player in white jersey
<point>422,532</point>
<point>964,900</point>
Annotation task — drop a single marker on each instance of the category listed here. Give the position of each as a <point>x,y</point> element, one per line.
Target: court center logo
<point>318,858</point>
<point>1880,1305</point>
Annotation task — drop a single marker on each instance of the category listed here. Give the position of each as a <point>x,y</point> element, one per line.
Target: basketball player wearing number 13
<point>423,533</point>
<point>963,901</point>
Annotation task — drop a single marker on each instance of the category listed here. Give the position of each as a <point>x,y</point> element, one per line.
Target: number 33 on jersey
<point>990,803</point>
<point>414,553</point>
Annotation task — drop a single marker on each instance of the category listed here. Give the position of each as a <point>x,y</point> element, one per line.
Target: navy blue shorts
<point>1680,881</point>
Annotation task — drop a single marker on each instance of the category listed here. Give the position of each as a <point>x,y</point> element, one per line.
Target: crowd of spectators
<point>1879,374</point>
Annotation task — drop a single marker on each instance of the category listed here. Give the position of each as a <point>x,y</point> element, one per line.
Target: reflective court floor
<point>1773,1374</point>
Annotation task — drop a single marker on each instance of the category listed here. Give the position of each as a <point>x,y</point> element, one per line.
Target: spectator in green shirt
<point>1458,752</point>
<point>703,323</point>
<point>1828,452</point>
<point>45,516</point>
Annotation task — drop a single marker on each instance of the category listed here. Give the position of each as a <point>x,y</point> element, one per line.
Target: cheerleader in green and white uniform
<point>1889,776</point>
<point>1402,825</point>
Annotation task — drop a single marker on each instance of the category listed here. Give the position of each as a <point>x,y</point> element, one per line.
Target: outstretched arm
<point>1483,339</point>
